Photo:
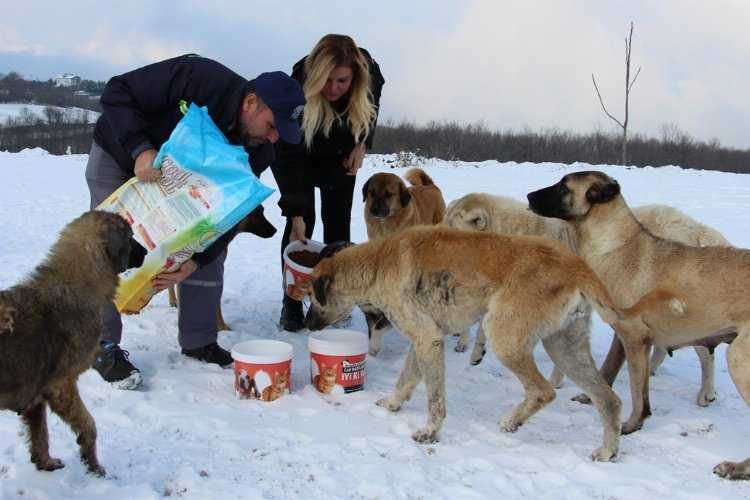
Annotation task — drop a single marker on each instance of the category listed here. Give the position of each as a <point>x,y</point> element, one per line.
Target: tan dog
<point>711,281</point>
<point>499,214</point>
<point>391,206</point>
<point>435,280</point>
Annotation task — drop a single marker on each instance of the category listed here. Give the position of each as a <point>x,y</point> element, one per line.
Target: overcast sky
<point>510,64</point>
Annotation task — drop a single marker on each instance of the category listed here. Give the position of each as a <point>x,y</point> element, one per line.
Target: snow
<point>8,110</point>
<point>185,435</point>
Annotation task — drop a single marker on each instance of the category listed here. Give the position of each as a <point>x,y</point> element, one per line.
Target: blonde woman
<point>342,85</point>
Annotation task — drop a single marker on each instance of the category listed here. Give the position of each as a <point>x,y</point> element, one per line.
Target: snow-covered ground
<point>14,110</point>
<point>185,435</point>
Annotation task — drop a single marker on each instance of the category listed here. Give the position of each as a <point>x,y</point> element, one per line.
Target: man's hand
<point>165,280</point>
<point>353,162</point>
<point>144,169</point>
<point>298,230</point>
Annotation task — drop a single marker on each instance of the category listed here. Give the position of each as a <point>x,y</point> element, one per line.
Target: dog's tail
<point>593,289</point>
<point>6,318</point>
<point>418,177</point>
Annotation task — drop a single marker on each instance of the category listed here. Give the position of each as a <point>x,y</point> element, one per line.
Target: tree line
<point>60,131</point>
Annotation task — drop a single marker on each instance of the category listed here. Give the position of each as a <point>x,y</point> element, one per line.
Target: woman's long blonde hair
<point>332,51</point>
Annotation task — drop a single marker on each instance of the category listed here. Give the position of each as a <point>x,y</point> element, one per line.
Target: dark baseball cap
<point>284,96</point>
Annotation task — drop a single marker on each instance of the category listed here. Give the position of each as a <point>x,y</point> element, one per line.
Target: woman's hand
<point>144,168</point>
<point>353,162</point>
<point>165,280</point>
<point>298,230</point>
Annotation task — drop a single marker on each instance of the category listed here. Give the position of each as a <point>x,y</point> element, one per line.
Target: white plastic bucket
<point>295,273</point>
<point>262,369</point>
<point>337,360</point>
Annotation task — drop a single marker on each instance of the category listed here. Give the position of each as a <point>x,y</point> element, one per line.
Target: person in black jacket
<point>139,111</point>
<point>342,85</point>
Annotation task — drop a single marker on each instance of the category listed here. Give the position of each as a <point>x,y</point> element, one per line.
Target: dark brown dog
<point>50,325</point>
<point>256,223</point>
<point>391,206</point>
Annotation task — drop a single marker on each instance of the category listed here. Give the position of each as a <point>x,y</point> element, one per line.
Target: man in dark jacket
<point>139,111</point>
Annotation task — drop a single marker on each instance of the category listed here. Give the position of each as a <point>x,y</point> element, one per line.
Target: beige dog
<point>503,215</point>
<point>435,280</point>
<point>711,281</point>
<point>391,206</point>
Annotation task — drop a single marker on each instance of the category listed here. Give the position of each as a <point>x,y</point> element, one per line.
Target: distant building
<point>67,80</point>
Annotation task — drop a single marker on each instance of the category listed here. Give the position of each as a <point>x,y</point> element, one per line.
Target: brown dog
<point>50,325</point>
<point>256,223</point>
<point>391,206</point>
<point>711,281</point>
<point>435,280</point>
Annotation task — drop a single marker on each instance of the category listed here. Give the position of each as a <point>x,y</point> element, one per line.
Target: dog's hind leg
<point>35,419</point>
<point>707,393</point>
<point>66,402</point>
<point>738,361</point>
<point>571,352</point>
<point>637,350</point>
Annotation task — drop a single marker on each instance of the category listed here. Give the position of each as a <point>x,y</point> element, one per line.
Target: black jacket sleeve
<point>376,87</point>
<point>140,100</point>
<point>289,170</point>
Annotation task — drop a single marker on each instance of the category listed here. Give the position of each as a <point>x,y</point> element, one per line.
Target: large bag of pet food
<point>206,188</point>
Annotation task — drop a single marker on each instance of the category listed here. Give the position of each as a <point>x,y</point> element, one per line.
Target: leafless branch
<point>602,102</point>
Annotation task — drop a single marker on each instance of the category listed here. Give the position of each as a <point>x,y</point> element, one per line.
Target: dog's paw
<point>582,398</point>
<point>556,379</point>
<point>425,436</point>
<point>604,454</point>
<point>509,424</point>
<point>6,318</point>
<point>477,357</point>
<point>460,346</point>
<point>96,470</point>
<point>373,352</point>
<point>48,464</point>
<point>389,404</point>
<point>631,426</point>
<point>706,397</point>
<point>733,470</point>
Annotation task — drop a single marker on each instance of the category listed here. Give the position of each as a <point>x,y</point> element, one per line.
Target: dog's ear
<point>321,286</point>
<point>478,218</point>
<point>364,190</point>
<point>404,195</point>
<point>602,192</point>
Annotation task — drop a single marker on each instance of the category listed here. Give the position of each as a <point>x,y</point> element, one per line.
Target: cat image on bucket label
<point>279,387</point>
<point>325,381</point>
<point>338,374</point>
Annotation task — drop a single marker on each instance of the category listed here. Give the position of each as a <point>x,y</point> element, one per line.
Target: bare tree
<point>628,86</point>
